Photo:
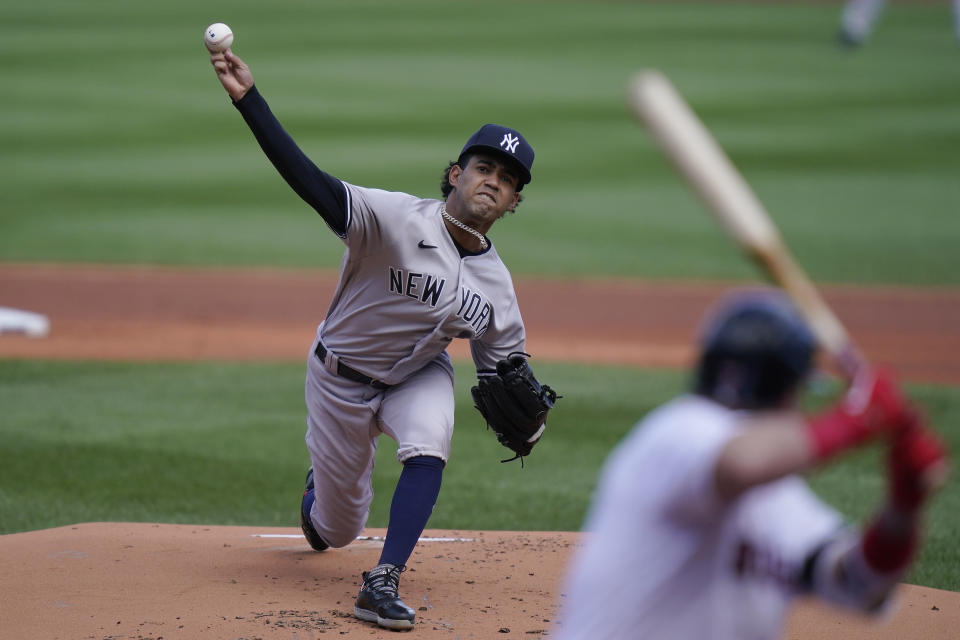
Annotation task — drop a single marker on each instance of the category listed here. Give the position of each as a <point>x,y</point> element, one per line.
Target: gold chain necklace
<point>457,223</point>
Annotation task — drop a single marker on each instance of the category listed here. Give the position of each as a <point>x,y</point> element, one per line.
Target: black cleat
<point>378,600</point>
<point>318,543</point>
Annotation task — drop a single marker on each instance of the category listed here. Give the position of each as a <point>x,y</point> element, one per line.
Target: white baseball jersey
<point>405,292</point>
<point>664,557</point>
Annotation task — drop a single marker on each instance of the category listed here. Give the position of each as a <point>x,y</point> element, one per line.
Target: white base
<point>35,325</point>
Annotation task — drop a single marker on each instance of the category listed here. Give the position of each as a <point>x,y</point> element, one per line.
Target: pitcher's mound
<point>152,581</point>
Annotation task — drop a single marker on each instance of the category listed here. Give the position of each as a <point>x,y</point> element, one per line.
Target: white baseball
<point>218,37</point>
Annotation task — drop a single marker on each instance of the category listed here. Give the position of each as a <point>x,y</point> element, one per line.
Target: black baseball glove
<point>514,404</point>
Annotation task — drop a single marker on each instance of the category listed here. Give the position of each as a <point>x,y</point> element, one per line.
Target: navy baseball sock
<point>413,500</point>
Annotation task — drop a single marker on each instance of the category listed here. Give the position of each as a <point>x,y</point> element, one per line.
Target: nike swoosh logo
<point>422,245</point>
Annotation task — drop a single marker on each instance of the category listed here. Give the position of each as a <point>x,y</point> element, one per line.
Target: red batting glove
<point>872,407</point>
<point>917,464</point>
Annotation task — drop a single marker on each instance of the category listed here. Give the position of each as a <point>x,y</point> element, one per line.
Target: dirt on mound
<point>148,313</point>
<point>149,581</point>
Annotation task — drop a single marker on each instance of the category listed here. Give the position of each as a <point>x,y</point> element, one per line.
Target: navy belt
<point>349,373</point>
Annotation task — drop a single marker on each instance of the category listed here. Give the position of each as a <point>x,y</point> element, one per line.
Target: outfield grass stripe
<point>114,120</point>
<point>222,443</point>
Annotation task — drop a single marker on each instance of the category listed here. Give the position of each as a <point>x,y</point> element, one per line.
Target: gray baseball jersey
<point>401,260</point>
<point>378,364</point>
<point>405,292</point>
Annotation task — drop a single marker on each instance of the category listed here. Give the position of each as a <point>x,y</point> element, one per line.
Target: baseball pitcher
<point>416,273</point>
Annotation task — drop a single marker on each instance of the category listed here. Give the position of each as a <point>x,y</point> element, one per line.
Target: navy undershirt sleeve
<point>317,188</point>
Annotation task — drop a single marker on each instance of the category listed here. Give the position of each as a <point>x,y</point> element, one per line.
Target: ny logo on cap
<point>510,142</point>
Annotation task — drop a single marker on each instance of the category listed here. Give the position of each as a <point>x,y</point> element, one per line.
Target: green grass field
<point>223,444</point>
<point>118,145</point>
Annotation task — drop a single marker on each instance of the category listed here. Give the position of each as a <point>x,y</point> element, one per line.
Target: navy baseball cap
<point>504,141</point>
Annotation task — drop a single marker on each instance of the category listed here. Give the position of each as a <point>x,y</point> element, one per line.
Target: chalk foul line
<point>373,538</point>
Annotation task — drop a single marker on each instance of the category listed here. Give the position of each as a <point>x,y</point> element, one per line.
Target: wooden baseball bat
<point>696,154</point>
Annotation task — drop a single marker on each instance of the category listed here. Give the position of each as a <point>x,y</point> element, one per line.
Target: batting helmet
<point>755,351</point>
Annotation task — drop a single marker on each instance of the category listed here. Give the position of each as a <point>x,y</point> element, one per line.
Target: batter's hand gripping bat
<point>701,160</point>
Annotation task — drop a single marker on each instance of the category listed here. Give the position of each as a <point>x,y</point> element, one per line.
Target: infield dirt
<point>117,580</point>
<point>149,313</point>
